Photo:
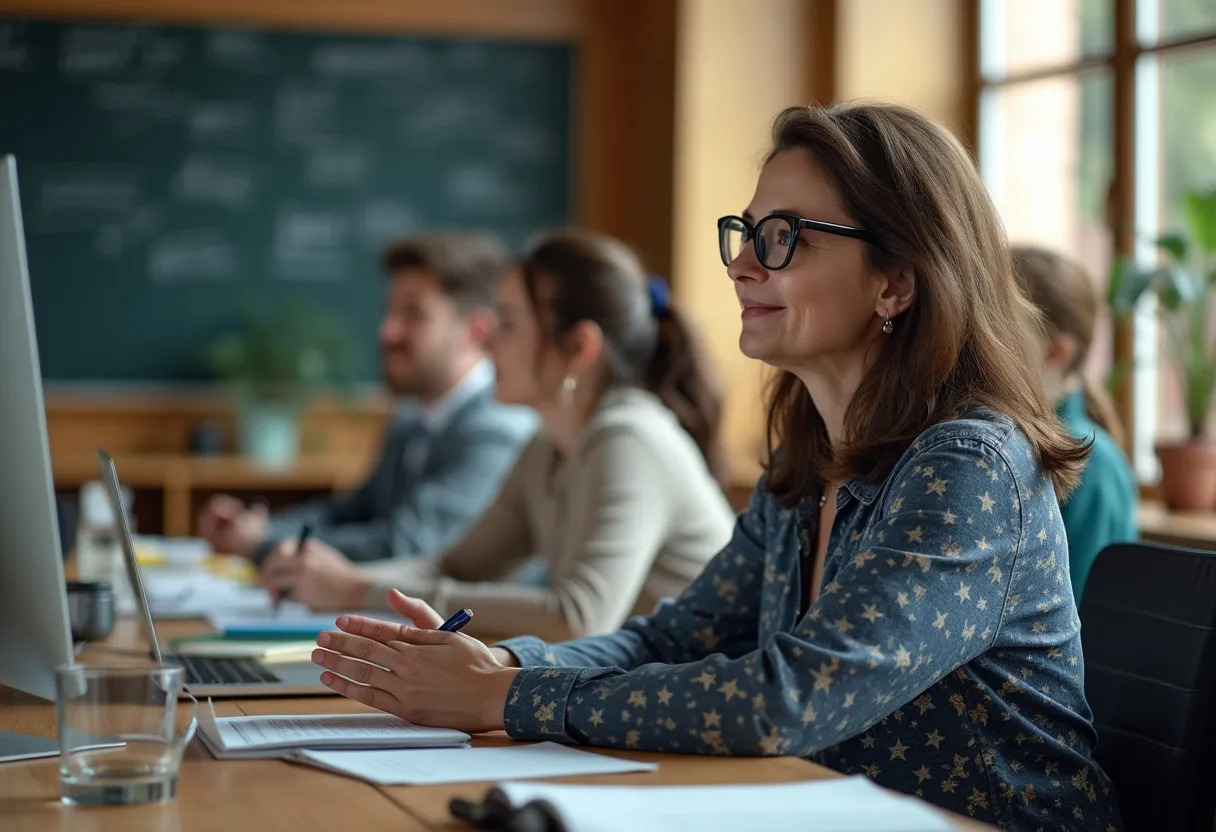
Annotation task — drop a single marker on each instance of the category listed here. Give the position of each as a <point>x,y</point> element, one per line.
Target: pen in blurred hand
<point>285,592</point>
<point>457,621</point>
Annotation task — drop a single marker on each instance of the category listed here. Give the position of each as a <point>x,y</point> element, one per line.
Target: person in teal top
<point>1102,508</point>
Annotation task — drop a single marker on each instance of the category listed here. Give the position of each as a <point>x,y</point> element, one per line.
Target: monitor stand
<point>26,747</point>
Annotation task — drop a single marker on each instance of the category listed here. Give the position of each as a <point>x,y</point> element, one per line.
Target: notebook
<point>466,765</point>
<point>254,737</point>
<point>847,804</point>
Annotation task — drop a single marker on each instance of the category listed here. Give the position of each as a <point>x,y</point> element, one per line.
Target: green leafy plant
<point>283,356</point>
<point>1185,286</point>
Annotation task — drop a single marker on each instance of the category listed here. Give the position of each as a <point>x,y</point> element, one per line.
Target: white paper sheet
<point>194,593</point>
<point>851,804</point>
<point>291,619</point>
<point>463,765</point>
<point>270,736</point>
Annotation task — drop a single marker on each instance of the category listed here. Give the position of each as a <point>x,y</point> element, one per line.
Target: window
<point>1094,117</point>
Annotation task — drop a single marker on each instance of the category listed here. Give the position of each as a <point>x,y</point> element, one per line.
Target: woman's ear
<point>1061,351</point>
<point>480,323</point>
<point>584,346</point>
<point>896,293</point>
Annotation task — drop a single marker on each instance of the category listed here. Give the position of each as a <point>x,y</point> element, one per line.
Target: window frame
<point>1133,337</point>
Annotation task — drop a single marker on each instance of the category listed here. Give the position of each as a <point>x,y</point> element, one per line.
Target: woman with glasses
<point>895,601</point>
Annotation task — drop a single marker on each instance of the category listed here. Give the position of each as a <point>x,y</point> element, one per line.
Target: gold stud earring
<point>567,390</point>
<point>888,327</point>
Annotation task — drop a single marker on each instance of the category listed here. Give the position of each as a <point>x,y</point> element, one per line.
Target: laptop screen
<point>109,476</point>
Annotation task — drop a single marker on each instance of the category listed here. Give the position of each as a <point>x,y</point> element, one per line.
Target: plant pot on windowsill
<point>1183,279</point>
<point>1188,475</point>
<point>268,432</point>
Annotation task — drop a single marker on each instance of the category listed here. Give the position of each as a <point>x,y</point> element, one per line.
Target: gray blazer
<point>393,515</point>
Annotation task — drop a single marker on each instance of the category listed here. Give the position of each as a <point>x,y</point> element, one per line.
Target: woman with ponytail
<point>1102,509</point>
<point>618,496</point>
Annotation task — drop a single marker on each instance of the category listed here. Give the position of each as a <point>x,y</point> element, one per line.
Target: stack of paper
<point>466,765</point>
<point>851,804</point>
<point>250,737</point>
<point>291,621</point>
<point>271,650</point>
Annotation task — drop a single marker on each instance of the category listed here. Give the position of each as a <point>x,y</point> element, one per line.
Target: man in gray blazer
<point>450,444</point>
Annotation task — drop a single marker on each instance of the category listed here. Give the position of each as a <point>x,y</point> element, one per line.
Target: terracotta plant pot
<point>1188,475</point>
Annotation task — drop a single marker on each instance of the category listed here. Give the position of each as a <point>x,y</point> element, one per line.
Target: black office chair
<point>1148,627</point>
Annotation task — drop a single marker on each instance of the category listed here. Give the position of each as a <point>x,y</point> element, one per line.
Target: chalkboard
<point>173,176</point>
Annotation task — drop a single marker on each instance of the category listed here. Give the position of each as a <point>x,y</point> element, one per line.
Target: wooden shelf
<point>1194,529</point>
<point>183,480</point>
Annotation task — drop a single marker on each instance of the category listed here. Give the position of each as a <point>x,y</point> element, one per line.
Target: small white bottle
<point>98,552</point>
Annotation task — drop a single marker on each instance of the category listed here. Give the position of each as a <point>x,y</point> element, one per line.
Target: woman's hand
<point>423,615</point>
<point>319,576</point>
<point>428,677</point>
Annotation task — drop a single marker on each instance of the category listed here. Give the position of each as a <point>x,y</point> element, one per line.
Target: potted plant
<point>274,364</point>
<point>1185,286</point>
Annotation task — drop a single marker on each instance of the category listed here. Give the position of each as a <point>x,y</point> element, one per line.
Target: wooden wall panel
<point>625,132</point>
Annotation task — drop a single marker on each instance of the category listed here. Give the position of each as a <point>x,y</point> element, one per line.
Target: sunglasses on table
<point>773,237</point>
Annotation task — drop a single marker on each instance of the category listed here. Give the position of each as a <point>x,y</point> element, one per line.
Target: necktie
<point>413,449</point>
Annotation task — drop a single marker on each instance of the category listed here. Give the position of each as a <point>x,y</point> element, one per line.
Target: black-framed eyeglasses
<point>773,237</point>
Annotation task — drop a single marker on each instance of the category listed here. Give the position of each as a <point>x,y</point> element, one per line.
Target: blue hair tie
<point>660,296</point>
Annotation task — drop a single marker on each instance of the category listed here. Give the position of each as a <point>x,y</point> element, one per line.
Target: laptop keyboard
<point>202,670</point>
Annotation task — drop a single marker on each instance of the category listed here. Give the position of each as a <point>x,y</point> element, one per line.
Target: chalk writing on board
<point>389,61</point>
<point>108,241</point>
<point>162,51</point>
<point>75,197</point>
<point>302,113</point>
<point>479,190</point>
<point>383,220</point>
<point>212,180</point>
<point>90,50</point>
<point>145,221</point>
<point>15,53</point>
<point>525,143</point>
<point>192,254</point>
<point>142,97</point>
<point>336,167</point>
<point>468,56</point>
<point>440,116</point>
<point>229,123</point>
<point>525,67</point>
<point>238,49</point>
<point>310,244</point>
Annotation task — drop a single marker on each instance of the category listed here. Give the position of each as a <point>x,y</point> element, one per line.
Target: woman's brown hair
<point>573,276</point>
<point>1064,293</point>
<point>967,337</point>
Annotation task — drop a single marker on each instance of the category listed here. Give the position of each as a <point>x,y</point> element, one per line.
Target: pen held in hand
<point>457,621</point>
<point>283,593</point>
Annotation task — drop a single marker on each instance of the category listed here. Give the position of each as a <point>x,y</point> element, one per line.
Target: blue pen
<point>458,620</point>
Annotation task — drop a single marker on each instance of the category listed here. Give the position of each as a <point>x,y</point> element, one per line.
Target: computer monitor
<point>35,637</point>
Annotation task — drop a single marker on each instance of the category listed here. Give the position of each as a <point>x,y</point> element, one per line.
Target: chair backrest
<point>1148,628</point>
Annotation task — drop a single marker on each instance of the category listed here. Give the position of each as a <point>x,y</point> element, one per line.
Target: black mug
<point>90,610</point>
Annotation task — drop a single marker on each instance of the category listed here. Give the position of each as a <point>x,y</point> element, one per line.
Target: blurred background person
<point>449,444</point>
<point>1102,508</point>
<point>617,494</point>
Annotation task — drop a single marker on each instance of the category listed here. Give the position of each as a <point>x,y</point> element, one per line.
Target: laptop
<point>207,675</point>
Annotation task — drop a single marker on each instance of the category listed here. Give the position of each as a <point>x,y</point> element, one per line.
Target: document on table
<point>852,804</point>
<point>463,765</point>
<point>193,593</point>
<point>272,736</point>
<point>292,620</point>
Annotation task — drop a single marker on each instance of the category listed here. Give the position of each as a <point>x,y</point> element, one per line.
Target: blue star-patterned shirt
<point>942,657</point>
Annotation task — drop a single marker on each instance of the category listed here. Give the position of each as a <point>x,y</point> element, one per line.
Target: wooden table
<point>236,795</point>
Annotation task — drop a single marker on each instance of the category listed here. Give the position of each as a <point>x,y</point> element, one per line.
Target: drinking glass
<point>121,735</point>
